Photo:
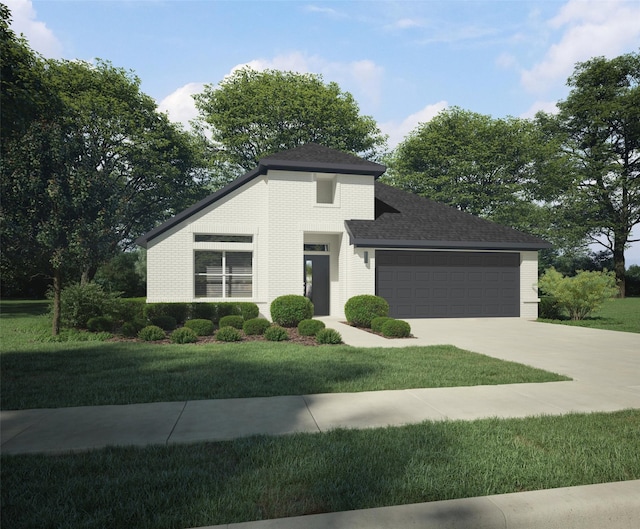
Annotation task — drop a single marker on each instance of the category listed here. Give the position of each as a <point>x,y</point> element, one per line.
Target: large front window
<point>222,274</point>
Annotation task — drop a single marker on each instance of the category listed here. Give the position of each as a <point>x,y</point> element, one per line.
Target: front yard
<point>615,315</point>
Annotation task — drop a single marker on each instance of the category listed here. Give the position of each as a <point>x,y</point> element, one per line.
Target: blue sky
<point>403,61</point>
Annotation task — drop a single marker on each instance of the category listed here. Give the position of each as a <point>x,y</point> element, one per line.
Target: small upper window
<point>325,190</point>
<point>206,237</point>
<point>316,247</point>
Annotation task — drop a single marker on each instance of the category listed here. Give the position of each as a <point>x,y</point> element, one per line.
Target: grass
<point>266,477</point>
<point>615,315</point>
<point>39,374</point>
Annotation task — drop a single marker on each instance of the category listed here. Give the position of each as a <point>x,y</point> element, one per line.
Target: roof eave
<point>375,170</point>
<point>446,245</point>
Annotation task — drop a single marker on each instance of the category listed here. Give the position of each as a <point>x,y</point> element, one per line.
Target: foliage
<point>228,334</point>
<point>396,329</point>
<point>122,273</point>
<point>377,323</point>
<point>579,295</point>
<point>310,327</point>
<point>201,327</point>
<point>130,329</point>
<point>328,337</point>
<point>232,321</point>
<point>100,324</point>
<point>256,113</point>
<point>600,124</point>
<point>549,308</point>
<point>151,333</point>
<point>204,310</point>
<point>255,326</point>
<point>360,310</point>
<point>275,333</point>
<point>79,303</point>
<point>183,335</point>
<point>248,310</point>
<point>291,309</point>
<point>178,311</point>
<point>166,323</point>
<point>129,309</point>
<point>633,280</point>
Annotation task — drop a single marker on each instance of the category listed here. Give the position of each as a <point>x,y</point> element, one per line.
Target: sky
<point>403,61</point>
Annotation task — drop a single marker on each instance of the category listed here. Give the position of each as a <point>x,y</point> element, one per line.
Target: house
<point>315,221</point>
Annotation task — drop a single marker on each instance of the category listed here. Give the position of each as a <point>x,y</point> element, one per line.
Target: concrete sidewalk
<point>605,367</point>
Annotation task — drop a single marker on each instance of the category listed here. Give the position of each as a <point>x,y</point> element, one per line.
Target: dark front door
<point>316,282</point>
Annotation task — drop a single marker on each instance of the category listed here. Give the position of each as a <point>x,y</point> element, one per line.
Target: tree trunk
<point>57,288</point>
<point>618,261</point>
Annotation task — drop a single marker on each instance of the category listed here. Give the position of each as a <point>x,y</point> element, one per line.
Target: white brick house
<point>314,220</point>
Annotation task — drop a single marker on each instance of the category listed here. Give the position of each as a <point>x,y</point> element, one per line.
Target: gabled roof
<point>308,157</point>
<point>405,220</point>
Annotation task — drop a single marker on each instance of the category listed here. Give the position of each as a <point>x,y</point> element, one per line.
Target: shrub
<point>377,323</point>
<point>100,324</point>
<point>201,327</point>
<point>288,311</point>
<point>275,333</point>
<point>129,309</point>
<point>310,327</point>
<point>184,335</point>
<point>581,294</point>
<point>79,303</point>
<point>151,333</point>
<point>360,310</point>
<point>248,310</point>
<point>232,321</point>
<point>396,329</point>
<point>549,308</point>
<point>255,326</point>
<point>130,329</point>
<point>228,334</point>
<point>204,311</point>
<point>328,337</point>
<point>226,309</point>
<point>167,323</point>
<point>178,311</point>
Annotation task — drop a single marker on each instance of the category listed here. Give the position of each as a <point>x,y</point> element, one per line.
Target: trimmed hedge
<point>255,326</point>
<point>310,327</point>
<point>130,329</point>
<point>202,327</point>
<point>183,335</point>
<point>377,323</point>
<point>100,324</point>
<point>361,310</point>
<point>228,334</point>
<point>167,323</point>
<point>328,337</point>
<point>151,333</point>
<point>178,311</point>
<point>275,333</point>
<point>289,310</point>
<point>232,321</point>
<point>396,329</point>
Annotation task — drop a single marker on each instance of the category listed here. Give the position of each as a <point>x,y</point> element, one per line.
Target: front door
<point>316,282</point>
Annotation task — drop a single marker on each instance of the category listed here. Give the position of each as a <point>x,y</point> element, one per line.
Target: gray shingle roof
<point>409,221</point>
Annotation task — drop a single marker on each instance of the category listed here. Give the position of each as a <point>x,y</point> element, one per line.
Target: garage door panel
<point>449,284</point>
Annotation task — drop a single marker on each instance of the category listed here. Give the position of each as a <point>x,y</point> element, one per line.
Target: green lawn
<point>271,477</point>
<point>615,315</point>
<point>41,374</point>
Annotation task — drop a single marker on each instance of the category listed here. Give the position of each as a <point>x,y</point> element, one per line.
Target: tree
<point>600,121</point>
<point>488,167</point>
<point>253,114</point>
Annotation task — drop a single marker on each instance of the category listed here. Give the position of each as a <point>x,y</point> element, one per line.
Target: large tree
<point>600,124</point>
<point>252,114</point>
<point>484,166</point>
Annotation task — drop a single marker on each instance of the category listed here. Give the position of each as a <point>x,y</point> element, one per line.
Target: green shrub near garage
<point>310,327</point>
<point>396,329</point>
<point>232,321</point>
<point>377,323</point>
<point>361,310</point>
<point>202,327</point>
<point>255,326</point>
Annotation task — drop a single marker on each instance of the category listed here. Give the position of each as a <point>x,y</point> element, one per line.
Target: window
<point>206,237</point>
<point>325,189</point>
<point>316,247</point>
<point>221,274</point>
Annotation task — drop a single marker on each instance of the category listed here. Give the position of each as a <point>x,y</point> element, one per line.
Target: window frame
<point>224,275</point>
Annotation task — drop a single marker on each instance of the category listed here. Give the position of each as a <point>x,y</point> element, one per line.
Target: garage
<point>442,284</point>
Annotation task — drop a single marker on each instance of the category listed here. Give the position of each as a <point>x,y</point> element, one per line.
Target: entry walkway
<point>605,367</point>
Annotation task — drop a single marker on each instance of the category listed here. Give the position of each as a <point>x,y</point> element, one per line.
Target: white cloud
<point>180,106</point>
<point>407,23</point>
<point>362,78</point>
<point>326,11</point>
<point>399,131</point>
<point>550,107</point>
<point>590,28</point>
<point>40,37</point>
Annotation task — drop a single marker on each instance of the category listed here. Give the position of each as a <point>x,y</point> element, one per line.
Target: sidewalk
<point>605,367</point>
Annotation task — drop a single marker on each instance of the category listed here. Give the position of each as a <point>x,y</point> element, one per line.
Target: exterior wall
<point>281,212</point>
<point>529,285</point>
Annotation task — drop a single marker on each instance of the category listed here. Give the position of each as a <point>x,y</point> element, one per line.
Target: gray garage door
<point>449,284</point>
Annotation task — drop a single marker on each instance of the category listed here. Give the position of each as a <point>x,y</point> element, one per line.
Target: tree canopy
<point>252,114</point>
